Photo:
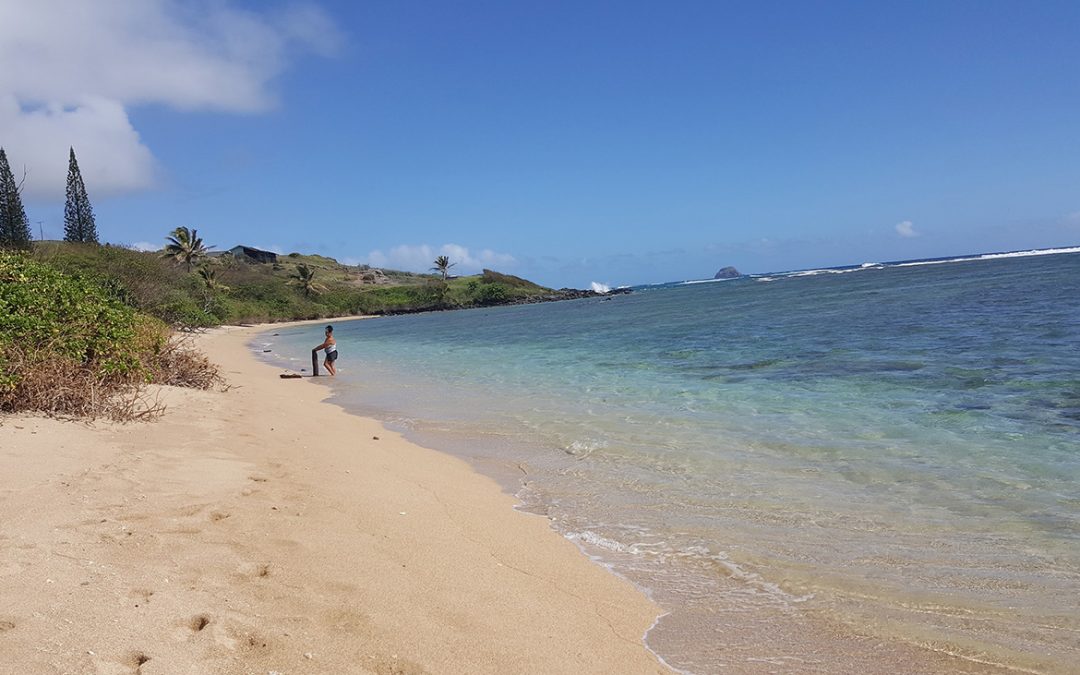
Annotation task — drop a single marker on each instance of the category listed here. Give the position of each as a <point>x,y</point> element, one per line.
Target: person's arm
<point>322,346</point>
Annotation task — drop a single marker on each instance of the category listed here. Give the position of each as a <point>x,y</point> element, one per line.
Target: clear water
<point>790,464</point>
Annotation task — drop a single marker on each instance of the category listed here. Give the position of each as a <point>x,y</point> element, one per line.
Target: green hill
<point>230,289</point>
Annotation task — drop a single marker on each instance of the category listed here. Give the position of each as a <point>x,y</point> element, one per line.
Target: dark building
<point>253,254</point>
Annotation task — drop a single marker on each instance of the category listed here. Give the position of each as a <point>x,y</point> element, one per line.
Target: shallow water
<point>882,452</point>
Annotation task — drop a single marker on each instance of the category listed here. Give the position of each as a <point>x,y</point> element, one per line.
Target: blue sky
<point>567,142</point>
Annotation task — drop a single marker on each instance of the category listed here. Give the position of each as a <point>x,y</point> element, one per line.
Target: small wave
<point>706,281</point>
<point>1032,252</point>
<point>595,540</point>
<point>920,263</point>
<point>814,273</point>
<point>662,552</point>
<point>931,261</point>
<point>582,449</point>
<point>773,276</point>
<point>989,256</point>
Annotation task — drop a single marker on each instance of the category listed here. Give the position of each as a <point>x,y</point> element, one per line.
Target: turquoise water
<point>886,452</point>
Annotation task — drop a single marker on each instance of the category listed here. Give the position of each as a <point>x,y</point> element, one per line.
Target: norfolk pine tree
<point>14,225</point>
<point>78,214</point>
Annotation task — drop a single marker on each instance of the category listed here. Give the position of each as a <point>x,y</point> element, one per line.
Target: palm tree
<point>305,280</point>
<point>210,280</point>
<point>443,265</point>
<point>211,286</point>
<point>185,246</point>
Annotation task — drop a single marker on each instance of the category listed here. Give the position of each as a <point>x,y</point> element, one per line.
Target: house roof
<point>252,249</point>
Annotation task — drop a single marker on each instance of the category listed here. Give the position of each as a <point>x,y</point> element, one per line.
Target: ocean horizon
<point>856,461</point>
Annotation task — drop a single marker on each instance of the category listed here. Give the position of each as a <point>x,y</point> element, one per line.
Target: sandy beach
<point>261,529</point>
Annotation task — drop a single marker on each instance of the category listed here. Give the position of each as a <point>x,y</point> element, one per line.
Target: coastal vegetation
<point>14,225</point>
<point>84,327</point>
<point>442,266</point>
<point>185,246</point>
<point>187,286</point>
<point>79,224</point>
<point>70,345</point>
<point>304,279</point>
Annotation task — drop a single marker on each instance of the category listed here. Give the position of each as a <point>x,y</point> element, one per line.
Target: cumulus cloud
<point>70,72</point>
<point>146,246</point>
<point>420,258</point>
<point>112,158</point>
<point>906,228</point>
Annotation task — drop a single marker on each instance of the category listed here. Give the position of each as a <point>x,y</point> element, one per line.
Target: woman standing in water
<point>330,345</point>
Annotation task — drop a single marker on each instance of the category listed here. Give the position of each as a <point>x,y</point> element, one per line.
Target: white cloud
<point>420,258</point>
<point>112,158</point>
<point>146,246</point>
<point>906,228</point>
<point>70,71</point>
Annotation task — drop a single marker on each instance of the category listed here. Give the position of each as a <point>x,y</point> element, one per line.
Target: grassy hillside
<point>238,291</point>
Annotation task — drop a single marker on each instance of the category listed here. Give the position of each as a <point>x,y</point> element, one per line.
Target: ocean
<point>829,470</point>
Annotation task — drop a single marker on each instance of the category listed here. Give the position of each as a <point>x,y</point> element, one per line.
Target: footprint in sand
<point>199,622</point>
<point>137,659</point>
<point>253,571</point>
<point>256,642</point>
<point>192,509</point>
<point>394,666</point>
<point>218,516</point>
<point>142,594</point>
<point>6,626</point>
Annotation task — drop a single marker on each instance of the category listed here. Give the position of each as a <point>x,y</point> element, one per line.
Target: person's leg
<point>329,365</point>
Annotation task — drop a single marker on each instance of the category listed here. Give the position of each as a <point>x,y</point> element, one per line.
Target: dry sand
<point>263,530</point>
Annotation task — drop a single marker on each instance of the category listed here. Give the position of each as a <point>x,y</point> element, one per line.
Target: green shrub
<point>490,277</point>
<point>68,345</point>
<point>488,293</point>
<point>392,299</point>
<point>182,310</point>
<point>342,301</point>
<point>136,278</point>
<point>44,309</point>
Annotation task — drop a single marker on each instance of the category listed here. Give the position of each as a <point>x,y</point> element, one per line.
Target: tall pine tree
<point>78,214</point>
<point>14,225</point>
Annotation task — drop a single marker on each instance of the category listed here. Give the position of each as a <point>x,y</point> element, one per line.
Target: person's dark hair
<point>329,329</point>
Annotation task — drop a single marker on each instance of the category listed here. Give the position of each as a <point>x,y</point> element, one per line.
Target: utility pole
<point>41,229</point>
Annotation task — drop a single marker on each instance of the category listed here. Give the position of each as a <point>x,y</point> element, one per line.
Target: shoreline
<point>839,644</point>
<point>262,528</point>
